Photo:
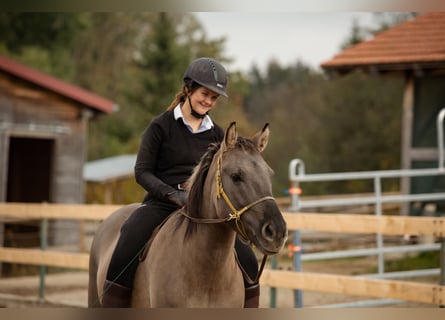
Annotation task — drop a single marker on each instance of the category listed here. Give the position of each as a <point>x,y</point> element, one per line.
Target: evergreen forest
<point>347,123</point>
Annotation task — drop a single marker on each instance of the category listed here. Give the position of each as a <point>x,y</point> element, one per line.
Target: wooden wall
<point>423,98</point>
<point>31,112</point>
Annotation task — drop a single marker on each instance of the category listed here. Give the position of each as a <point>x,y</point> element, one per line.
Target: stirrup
<point>116,295</point>
<point>252,296</point>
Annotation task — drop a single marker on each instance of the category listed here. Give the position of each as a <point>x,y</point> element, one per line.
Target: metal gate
<point>297,175</point>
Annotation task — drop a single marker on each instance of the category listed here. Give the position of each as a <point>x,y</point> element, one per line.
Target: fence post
<point>43,246</point>
<point>294,192</point>
<point>440,139</point>
<point>378,212</point>
<point>442,264</point>
<point>273,291</point>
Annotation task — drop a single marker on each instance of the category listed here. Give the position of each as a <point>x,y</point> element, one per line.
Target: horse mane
<point>197,180</point>
<point>196,187</point>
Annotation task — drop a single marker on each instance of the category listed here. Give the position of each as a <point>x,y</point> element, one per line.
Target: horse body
<point>191,260</point>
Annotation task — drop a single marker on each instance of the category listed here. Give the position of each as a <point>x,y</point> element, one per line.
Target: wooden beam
<point>48,258</point>
<point>56,211</point>
<point>350,223</point>
<point>407,134</point>
<point>330,222</point>
<point>387,289</point>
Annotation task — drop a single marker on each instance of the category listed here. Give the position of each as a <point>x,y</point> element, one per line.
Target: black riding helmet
<point>208,73</point>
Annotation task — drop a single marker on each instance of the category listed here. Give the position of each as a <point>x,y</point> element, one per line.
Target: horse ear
<point>262,137</point>
<point>230,136</point>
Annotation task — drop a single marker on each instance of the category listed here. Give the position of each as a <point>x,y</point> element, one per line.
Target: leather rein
<point>234,214</point>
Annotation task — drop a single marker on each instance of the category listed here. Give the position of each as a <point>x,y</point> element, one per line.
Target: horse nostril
<point>268,231</point>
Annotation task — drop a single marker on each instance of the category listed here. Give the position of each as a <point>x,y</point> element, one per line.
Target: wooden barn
<point>414,50</point>
<point>43,136</point>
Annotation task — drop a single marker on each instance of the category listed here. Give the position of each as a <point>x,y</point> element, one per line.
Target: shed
<point>43,134</point>
<point>108,171</point>
<point>415,50</point>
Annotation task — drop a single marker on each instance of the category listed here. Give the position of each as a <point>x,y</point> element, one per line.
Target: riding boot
<point>252,297</point>
<point>116,295</point>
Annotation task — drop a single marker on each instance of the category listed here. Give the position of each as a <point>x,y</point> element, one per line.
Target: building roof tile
<point>417,41</point>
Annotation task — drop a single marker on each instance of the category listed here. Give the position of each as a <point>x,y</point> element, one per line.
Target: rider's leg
<point>249,263</point>
<point>134,234</point>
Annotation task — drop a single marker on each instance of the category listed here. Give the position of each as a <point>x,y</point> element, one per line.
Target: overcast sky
<point>256,38</point>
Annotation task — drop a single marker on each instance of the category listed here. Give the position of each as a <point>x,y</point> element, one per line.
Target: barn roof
<point>413,44</point>
<point>58,86</point>
<point>109,169</point>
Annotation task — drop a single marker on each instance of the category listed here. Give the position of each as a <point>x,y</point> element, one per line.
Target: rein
<point>233,215</point>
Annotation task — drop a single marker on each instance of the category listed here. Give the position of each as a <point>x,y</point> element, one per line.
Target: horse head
<point>233,184</point>
<point>243,186</point>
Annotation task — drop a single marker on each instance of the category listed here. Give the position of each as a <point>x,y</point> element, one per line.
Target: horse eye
<point>236,178</point>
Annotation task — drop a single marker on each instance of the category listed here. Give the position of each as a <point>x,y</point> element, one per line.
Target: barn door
<point>29,169</point>
<point>29,180</point>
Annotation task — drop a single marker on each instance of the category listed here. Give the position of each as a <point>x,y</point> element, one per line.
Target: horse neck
<point>214,238</point>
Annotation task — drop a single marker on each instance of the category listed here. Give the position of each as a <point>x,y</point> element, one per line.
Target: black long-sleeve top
<point>168,152</point>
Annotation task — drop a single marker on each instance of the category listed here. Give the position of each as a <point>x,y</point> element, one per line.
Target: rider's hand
<point>177,197</point>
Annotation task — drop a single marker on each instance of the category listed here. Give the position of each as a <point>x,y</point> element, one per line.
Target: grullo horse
<point>191,261</point>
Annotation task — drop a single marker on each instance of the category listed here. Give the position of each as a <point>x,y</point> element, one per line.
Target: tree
<point>348,124</point>
<point>357,35</point>
<point>103,57</point>
<point>43,40</point>
<point>382,22</point>
<point>48,30</point>
<point>162,61</point>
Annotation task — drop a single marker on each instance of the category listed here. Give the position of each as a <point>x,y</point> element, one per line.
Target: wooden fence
<point>342,223</point>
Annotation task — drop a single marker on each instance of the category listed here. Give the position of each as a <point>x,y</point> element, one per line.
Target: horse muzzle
<point>270,234</point>
<point>271,238</point>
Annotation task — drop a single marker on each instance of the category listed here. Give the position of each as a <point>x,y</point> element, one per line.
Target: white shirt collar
<point>206,123</point>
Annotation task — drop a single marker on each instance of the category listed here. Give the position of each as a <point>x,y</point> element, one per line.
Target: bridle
<point>234,214</point>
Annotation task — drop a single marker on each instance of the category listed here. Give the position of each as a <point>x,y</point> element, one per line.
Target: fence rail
<point>342,223</point>
<point>333,222</point>
<point>350,223</point>
<point>360,286</point>
<point>56,211</point>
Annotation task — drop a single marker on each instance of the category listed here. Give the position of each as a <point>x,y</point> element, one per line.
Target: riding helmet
<point>208,73</point>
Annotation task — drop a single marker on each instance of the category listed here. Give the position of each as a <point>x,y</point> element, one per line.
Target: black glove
<point>177,197</point>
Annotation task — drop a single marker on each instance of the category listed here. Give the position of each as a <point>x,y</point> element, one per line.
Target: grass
<point>423,260</point>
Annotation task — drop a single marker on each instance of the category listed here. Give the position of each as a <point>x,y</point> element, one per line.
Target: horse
<point>191,261</point>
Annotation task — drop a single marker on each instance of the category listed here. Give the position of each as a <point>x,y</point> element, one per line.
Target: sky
<point>257,38</point>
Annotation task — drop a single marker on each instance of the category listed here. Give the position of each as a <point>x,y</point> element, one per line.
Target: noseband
<point>234,214</point>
